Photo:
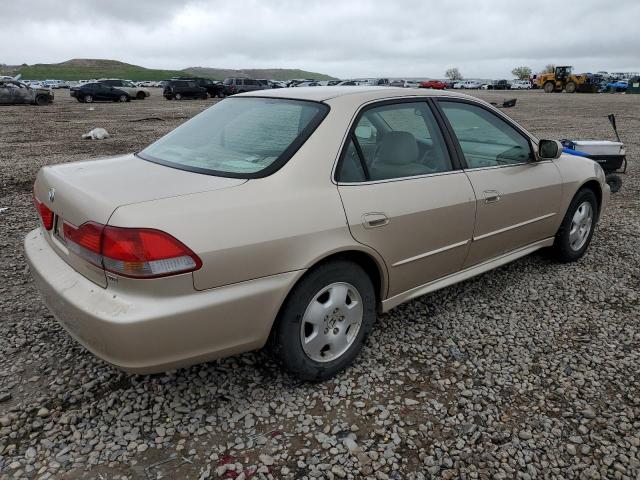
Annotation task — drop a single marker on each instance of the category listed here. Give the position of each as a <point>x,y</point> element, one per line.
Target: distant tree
<point>521,73</point>
<point>550,68</point>
<point>453,74</point>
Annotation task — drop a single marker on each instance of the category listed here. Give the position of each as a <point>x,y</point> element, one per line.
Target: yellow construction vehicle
<point>563,78</point>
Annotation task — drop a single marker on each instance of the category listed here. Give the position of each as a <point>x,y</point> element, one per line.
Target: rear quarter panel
<point>285,222</point>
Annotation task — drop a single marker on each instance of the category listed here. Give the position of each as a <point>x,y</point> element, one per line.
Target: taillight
<point>131,252</point>
<point>46,215</point>
<point>141,252</point>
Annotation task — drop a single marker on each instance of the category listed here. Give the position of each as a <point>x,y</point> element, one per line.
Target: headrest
<point>397,148</point>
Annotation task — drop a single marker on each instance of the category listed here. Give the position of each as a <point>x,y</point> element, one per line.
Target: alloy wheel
<point>581,224</point>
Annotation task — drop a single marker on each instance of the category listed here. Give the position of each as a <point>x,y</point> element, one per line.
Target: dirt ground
<point>41,367</point>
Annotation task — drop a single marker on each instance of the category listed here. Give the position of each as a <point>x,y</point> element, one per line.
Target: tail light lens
<point>131,252</point>
<point>46,215</point>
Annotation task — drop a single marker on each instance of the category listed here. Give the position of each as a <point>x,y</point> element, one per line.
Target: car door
<point>5,93</point>
<point>403,193</point>
<point>518,198</point>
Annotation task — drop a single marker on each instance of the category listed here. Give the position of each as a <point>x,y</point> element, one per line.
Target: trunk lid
<point>86,191</point>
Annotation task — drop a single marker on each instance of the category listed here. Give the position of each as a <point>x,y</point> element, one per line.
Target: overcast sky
<point>348,38</point>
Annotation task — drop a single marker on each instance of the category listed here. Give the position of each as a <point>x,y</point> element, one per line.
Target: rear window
<point>239,137</point>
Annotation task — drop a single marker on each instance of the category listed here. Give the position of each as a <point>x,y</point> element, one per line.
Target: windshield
<point>239,137</point>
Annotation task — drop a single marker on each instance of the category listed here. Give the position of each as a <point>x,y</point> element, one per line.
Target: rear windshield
<point>239,137</point>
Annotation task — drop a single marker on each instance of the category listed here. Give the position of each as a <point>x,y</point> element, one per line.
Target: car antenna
<point>612,120</point>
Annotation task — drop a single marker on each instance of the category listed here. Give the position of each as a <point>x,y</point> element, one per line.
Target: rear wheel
<point>141,96</point>
<point>123,98</point>
<point>549,87</point>
<point>575,233</point>
<point>88,98</point>
<point>570,87</point>
<point>325,321</point>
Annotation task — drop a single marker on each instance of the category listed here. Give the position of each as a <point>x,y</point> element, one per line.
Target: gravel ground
<point>529,371</point>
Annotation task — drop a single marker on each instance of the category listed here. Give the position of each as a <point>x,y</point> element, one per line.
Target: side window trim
<point>455,157</point>
<point>454,138</point>
<point>365,167</point>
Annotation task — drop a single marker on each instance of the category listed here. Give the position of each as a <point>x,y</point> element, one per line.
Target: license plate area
<point>58,230</point>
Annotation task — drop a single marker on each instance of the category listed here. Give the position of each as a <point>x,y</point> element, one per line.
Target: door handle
<point>373,220</point>
<point>491,196</point>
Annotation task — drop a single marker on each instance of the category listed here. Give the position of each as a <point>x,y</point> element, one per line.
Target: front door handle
<point>491,196</point>
<point>373,220</point>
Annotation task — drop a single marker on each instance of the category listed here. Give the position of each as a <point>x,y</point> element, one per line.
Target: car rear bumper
<point>153,330</point>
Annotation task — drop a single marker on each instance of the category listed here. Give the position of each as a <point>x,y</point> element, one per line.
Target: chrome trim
<point>432,252</point>
<point>511,227</point>
<point>387,180</point>
<point>475,169</point>
<point>462,275</point>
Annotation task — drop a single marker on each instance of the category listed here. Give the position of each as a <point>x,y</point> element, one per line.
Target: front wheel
<point>575,233</point>
<point>42,100</point>
<point>570,87</point>
<point>549,87</point>
<point>88,98</point>
<point>325,321</point>
<point>141,96</point>
<point>123,98</point>
<point>178,96</point>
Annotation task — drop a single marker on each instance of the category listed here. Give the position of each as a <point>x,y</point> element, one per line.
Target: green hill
<point>269,73</point>
<point>87,69</point>
<point>78,69</point>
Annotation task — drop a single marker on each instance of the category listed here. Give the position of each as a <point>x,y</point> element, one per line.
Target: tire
<point>575,233</point>
<point>549,87</point>
<point>123,98</point>
<point>337,344</point>
<point>614,181</point>
<point>178,96</point>
<point>570,87</point>
<point>42,100</point>
<point>141,96</point>
<point>87,99</point>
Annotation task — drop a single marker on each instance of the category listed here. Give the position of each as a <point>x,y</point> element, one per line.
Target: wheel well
<point>364,260</point>
<point>594,186</point>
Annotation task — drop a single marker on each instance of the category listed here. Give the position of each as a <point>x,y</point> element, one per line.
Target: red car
<point>437,84</point>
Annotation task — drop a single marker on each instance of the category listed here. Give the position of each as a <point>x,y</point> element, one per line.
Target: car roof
<point>321,94</point>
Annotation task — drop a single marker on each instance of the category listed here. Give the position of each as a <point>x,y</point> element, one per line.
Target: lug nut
<point>335,331</point>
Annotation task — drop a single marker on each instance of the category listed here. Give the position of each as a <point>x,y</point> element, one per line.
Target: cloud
<point>347,39</point>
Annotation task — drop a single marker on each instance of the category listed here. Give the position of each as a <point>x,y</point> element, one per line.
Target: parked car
<point>467,84</point>
<point>96,91</point>
<point>307,84</point>
<point>180,89</point>
<point>500,85</point>
<point>404,83</point>
<point>435,84</point>
<point>243,225</point>
<point>520,85</point>
<point>133,90</point>
<point>213,88</point>
<point>347,83</point>
<point>617,86</point>
<point>333,83</point>
<point>16,92</point>
<point>233,85</point>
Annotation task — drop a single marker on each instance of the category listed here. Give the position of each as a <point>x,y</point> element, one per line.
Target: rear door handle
<point>491,196</point>
<point>373,220</point>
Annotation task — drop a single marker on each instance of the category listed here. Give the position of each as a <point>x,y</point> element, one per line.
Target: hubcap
<point>331,322</point>
<point>580,226</point>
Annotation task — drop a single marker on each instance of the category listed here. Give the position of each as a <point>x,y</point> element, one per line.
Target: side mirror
<point>549,149</point>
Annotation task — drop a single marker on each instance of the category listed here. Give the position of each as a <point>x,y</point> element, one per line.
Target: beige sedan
<point>292,217</point>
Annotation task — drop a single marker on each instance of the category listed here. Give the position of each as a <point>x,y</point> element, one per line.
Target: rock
<point>266,459</point>
<point>525,435</point>
<point>43,412</point>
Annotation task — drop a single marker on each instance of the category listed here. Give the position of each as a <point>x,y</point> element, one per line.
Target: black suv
<point>91,92</point>
<point>179,89</point>
<point>214,89</point>
<point>239,85</point>
<point>500,85</point>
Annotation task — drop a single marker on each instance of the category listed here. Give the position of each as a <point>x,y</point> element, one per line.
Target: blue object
<point>576,153</point>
